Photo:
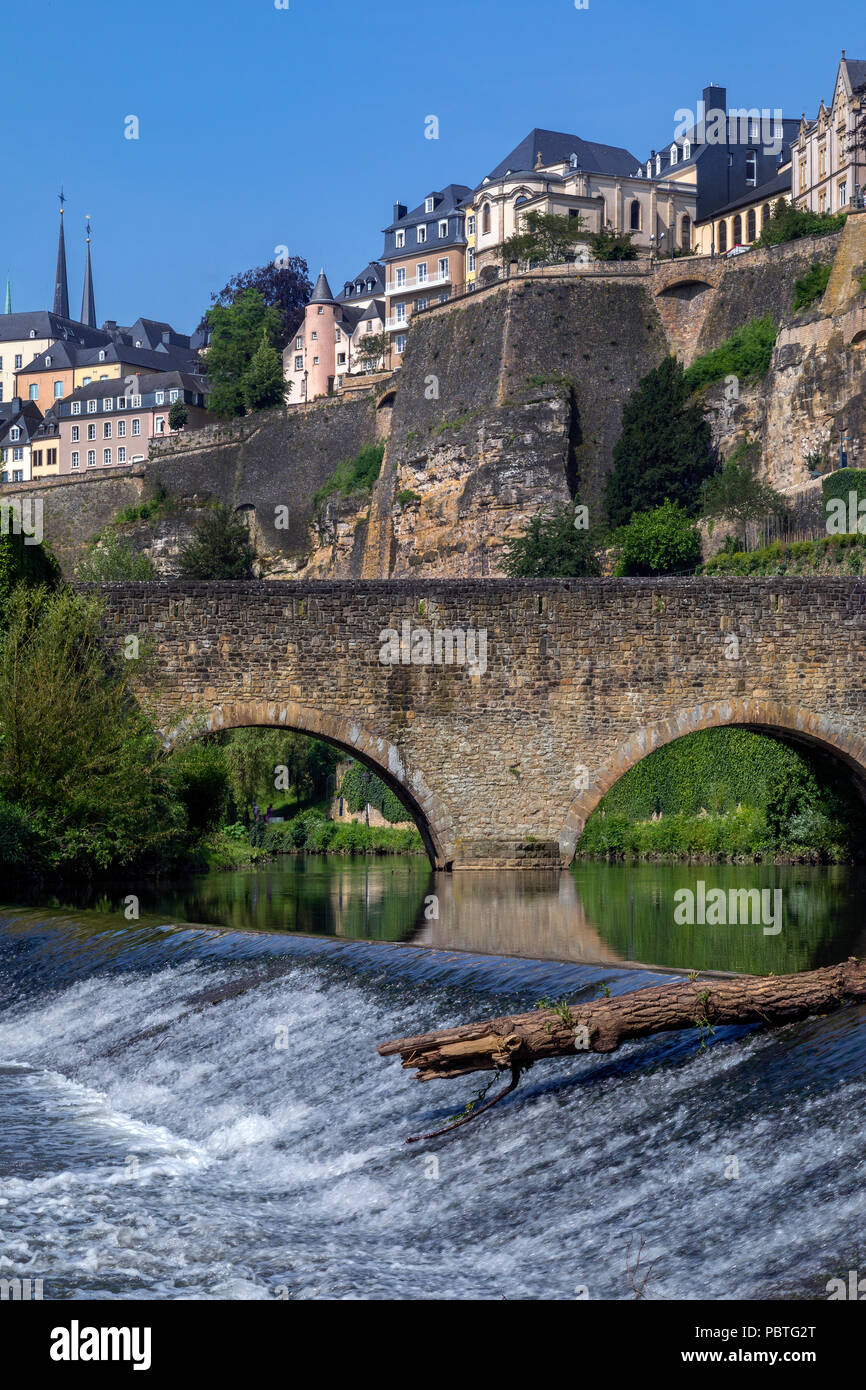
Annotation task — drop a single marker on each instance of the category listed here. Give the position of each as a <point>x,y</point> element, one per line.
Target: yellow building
<point>741,222</point>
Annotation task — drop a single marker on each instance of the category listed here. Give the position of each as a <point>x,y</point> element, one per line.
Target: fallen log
<point>515,1042</point>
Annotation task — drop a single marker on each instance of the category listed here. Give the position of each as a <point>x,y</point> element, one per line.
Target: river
<point>191,1104</point>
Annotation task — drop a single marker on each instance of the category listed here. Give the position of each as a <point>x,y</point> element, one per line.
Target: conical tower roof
<point>88,304</point>
<point>322,293</point>
<point>61,287</point>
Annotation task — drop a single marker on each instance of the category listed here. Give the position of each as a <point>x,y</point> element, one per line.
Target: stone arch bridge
<point>502,759</point>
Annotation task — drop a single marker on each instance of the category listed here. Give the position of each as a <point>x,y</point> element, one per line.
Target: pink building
<point>100,428</point>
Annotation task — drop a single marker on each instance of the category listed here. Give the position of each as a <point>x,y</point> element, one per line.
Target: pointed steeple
<point>88,305</point>
<point>8,308</point>
<point>61,287</point>
<point>322,293</point>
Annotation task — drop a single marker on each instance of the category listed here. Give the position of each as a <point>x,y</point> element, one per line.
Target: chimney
<point>715,99</point>
<point>400,211</point>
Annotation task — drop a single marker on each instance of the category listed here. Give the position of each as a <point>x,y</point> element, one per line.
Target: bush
<point>109,559</point>
<point>360,786</point>
<point>811,286</point>
<point>220,547</point>
<point>551,547</point>
<point>839,484</point>
<point>23,564</point>
<point>663,541</point>
<point>789,224</point>
<point>746,354</point>
<point>200,778</point>
<point>18,842</point>
<point>353,475</point>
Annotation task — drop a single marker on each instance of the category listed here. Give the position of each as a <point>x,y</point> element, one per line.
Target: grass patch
<point>407,497</point>
<point>746,354</point>
<point>811,286</point>
<point>352,476</point>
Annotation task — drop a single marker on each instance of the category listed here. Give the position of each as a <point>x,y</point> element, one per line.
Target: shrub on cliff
<point>736,493</point>
<point>219,549</point>
<point>552,548</point>
<point>353,475</point>
<point>23,564</point>
<point>664,541</point>
<point>746,355</point>
<point>109,559</point>
<point>811,286</point>
<point>664,451</point>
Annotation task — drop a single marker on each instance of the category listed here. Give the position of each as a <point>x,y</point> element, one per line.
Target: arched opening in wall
<point>634,215</point>
<point>765,215</point>
<point>686,232</point>
<point>247,512</point>
<point>859,340</point>
<point>733,810</point>
<point>751,225</point>
<point>283,768</point>
<point>485,219</point>
<point>387,401</point>
<point>737,231</point>
<point>722,237</point>
<point>488,275</point>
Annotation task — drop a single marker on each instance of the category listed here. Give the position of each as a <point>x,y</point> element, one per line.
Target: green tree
<point>544,238</point>
<point>610,246</point>
<point>219,548</point>
<point>372,351</point>
<point>78,756</point>
<point>664,450</point>
<point>21,563</point>
<point>283,284</point>
<point>236,335</point>
<point>264,384</point>
<point>738,494</point>
<point>178,414</point>
<point>662,541</point>
<point>789,224</point>
<point>552,547</point>
<point>109,559</point>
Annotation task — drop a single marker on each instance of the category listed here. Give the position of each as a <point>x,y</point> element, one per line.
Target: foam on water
<point>156,1144</point>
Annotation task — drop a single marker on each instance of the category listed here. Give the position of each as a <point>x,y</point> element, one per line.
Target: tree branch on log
<point>501,1044</point>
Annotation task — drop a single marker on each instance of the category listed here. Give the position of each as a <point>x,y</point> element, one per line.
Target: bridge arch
<point>786,722</point>
<point>381,756</point>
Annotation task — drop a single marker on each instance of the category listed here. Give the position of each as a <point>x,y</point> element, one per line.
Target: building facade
<point>829,154</point>
<point>19,421</point>
<point>99,426</point>
<point>424,257</point>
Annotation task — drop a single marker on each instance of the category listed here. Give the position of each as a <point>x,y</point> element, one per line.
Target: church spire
<point>8,308</point>
<point>88,306</point>
<point>61,287</point>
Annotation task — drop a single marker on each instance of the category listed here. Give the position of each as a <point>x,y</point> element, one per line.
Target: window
<point>314,336</point>
<point>121,402</point>
<point>136,405</point>
<point>48,361</point>
<point>485,218</point>
<point>400,343</point>
<point>159,397</point>
<point>737,230</point>
<point>674,154</point>
<point>634,215</point>
<point>37,458</point>
<point>18,454</point>
<point>91,431</point>
<point>658,164</point>
<point>87,380</point>
<point>173,395</point>
<point>76,434</point>
<point>444,266</point>
<point>299,343</point>
<point>121,429</point>
<point>51,458</point>
<point>751,168</point>
<point>315,361</point>
<point>399,240</point>
<point>802,175</point>
<point>822,161</point>
<point>822,202</point>
<point>76,458</point>
<point>421,272</point>
<point>687,149</point>
<point>400,277</point>
<point>121,455</point>
<point>58,390</point>
<point>15,432</point>
<point>686,232</point>
<point>443,228</point>
<point>843,194</point>
<point>649,169</point>
<point>422,234</point>
<point>106,456</point>
<point>18,362</point>
<point>18,475</point>
<point>103,376</point>
<point>765,215</point>
<point>91,458</point>
<point>338,337</point>
<point>429,204</point>
<point>76,407</point>
<point>299,364</point>
<point>102,354</point>
<point>160,425</point>
<point>136,425</point>
<point>91,407</point>
<point>722,237</point>
<point>443,298</point>
<point>421,303</point>
<point>400,313</point>
<point>106,430</point>
<point>341,359</point>
<point>470,224</point>
<point>471,259</point>
<point>107,402</point>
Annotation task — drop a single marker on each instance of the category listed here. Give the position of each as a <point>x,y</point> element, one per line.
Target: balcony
<point>417,286</point>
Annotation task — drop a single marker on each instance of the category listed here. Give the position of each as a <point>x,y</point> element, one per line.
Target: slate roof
<point>44,324</point>
<point>856,71</point>
<point>28,419</point>
<point>322,291</point>
<point>71,355</point>
<point>447,200</point>
<point>373,270</point>
<point>557,146</point>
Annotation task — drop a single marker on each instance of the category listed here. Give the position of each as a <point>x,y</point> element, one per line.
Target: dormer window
<point>674,153</point>
<point>102,354</point>
<point>687,149</point>
<point>76,407</point>
<point>48,361</point>
<point>658,164</point>
<point>138,342</point>
<point>33,333</point>
<point>443,228</point>
<point>160,398</point>
<point>649,169</point>
<point>15,432</point>
<point>429,204</point>
<point>399,240</point>
<point>422,234</point>
<point>106,403</point>
<point>91,407</point>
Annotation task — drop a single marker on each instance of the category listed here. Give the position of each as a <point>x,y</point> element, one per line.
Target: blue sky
<point>302,127</point>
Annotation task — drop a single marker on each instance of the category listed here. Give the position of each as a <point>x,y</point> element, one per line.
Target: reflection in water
<point>610,914</point>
